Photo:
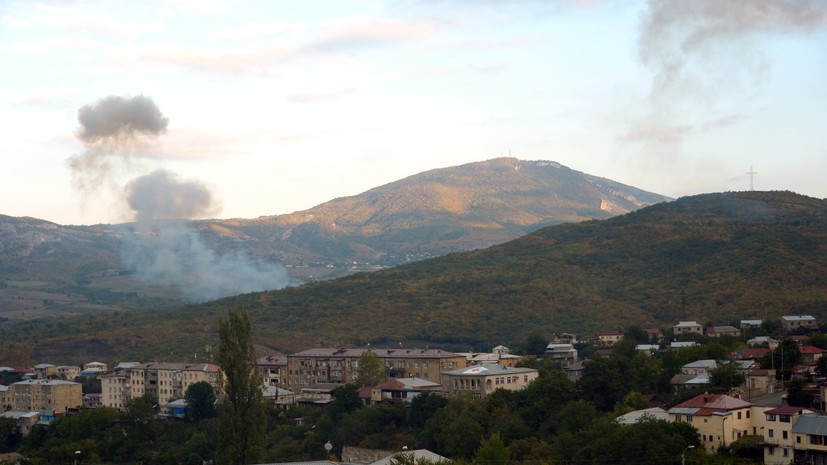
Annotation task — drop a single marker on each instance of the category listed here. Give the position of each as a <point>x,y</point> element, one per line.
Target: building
<point>272,368</point>
<point>500,355</point>
<point>718,331</point>
<point>166,381</point>
<point>68,372</point>
<point>44,370</point>
<point>763,340</point>
<point>562,353</point>
<point>810,354</point>
<point>794,322</point>
<point>699,367</point>
<point>810,443</point>
<point>403,389</point>
<point>687,328</point>
<point>778,437</point>
<point>719,419</point>
<point>34,395</point>
<point>751,324</point>
<point>481,380</point>
<point>610,337</point>
<point>341,366</point>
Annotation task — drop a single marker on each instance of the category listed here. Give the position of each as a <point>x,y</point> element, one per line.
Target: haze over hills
<point>45,267</point>
<point>713,258</point>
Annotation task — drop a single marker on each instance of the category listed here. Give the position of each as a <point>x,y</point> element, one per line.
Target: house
<point>681,344</point>
<point>810,443</point>
<point>46,394</point>
<point>25,420</point>
<point>317,395</point>
<point>751,324</point>
<point>281,397</point>
<point>415,455</point>
<point>655,334</point>
<point>92,400</point>
<point>654,413</point>
<point>761,381</point>
<point>403,389</point>
<point>44,370</point>
<point>96,366</point>
<point>763,340</point>
<point>575,370</point>
<point>563,353</point>
<point>719,418</point>
<point>68,372</point>
<point>699,367</point>
<point>778,440</point>
<point>810,354</point>
<point>718,331</point>
<point>687,328</point>
<point>647,349</point>
<point>500,354</point>
<point>610,337</point>
<point>176,408</point>
<point>481,380</point>
<point>794,322</point>
<point>749,353</point>
<point>341,366</point>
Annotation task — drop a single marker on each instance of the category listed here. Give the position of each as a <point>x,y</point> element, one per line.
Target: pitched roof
<point>707,404</point>
<point>417,454</point>
<point>488,369</point>
<point>785,410</point>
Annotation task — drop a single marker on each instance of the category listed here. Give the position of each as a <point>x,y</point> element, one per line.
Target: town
<point>759,382</point>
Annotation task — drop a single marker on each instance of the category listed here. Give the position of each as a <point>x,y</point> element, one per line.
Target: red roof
<point>714,403</point>
<point>785,410</point>
<point>810,350</point>
<point>750,353</point>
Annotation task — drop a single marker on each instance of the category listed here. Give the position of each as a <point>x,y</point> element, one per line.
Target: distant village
<point>759,406</point>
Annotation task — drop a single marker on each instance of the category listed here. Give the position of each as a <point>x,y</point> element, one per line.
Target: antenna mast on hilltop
<point>751,174</point>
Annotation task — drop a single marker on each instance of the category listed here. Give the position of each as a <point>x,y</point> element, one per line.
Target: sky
<point>252,108</point>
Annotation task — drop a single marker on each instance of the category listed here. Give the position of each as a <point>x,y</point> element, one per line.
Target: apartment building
<point>340,366</point>
<point>166,381</point>
<point>272,368</point>
<point>45,394</point>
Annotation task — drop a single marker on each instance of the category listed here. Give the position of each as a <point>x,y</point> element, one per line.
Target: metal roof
<point>811,424</point>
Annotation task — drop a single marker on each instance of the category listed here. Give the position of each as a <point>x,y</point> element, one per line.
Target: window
<point>771,450</point>
<point>770,433</point>
<point>785,452</point>
<point>784,418</point>
<point>798,439</point>
<point>770,417</point>
<point>739,415</point>
<point>784,435</point>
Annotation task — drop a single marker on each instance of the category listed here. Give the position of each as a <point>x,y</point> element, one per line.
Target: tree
<point>241,422</point>
<point>200,399</point>
<point>371,370</point>
<point>726,375</point>
<point>492,451</point>
<point>796,395</point>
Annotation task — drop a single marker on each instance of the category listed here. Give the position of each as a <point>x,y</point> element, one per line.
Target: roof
<point>811,350</point>
<point>752,322</point>
<point>811,424</point>
<point>655,413</point>
<point>41,366</point>
<point>417,454</point>
<point>785,410</point>
<point>687,324</point>
<point>708,404</point>
<point>488,369</point>
<point>278,360</point>
<point>707,364</point>
<point>382,353</point>
<point>46,382</point>
<point>682,344</point>
<point>798,318</point>
<point>407,384</point>
<point>311,462</point>
<point>750,353</point>
<point>611,332</point>
<point>725,329</point>
<point>171,366</point>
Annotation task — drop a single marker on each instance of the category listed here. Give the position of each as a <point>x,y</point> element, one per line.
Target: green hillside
<point>714,257</point>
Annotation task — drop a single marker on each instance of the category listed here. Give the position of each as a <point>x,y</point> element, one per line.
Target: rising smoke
<point>161,249</point>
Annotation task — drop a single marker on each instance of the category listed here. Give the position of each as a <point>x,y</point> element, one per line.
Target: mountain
<point>441,211</point>
<point>47,268</point>
<point>713,258</point>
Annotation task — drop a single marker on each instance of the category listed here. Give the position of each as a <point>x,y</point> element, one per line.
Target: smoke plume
<point>161,249</point>
<point>162,195</point>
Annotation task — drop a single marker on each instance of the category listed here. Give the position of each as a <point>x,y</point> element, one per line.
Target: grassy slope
<point>716,257</point>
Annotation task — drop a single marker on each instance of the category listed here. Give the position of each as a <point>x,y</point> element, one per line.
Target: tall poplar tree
<point>242,418</point>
